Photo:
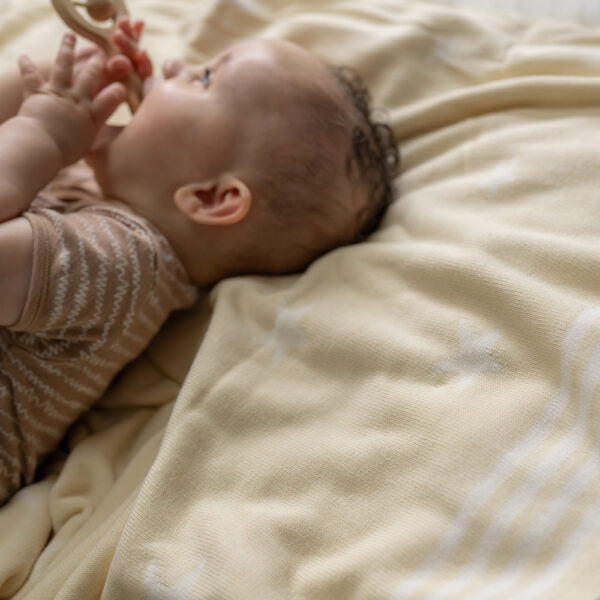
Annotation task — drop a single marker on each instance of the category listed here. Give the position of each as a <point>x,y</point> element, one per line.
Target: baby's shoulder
<point>73,187</point>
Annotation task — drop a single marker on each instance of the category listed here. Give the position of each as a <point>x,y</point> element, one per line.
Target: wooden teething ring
<point>106,11</point>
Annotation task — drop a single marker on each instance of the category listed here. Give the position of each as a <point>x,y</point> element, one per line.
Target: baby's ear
<point>222,201</point>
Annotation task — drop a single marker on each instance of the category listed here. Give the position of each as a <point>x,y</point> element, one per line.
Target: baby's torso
<point>103,282</point>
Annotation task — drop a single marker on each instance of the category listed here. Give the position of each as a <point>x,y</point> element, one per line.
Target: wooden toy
<point>103,17</point>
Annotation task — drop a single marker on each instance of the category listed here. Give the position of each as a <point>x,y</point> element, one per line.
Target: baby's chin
<point>105,137</point>
<point>97,157</point>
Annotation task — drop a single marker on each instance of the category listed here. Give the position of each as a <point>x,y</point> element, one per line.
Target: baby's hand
<point>69,107</point>
<point>126,37</point>
<point>118,67</point>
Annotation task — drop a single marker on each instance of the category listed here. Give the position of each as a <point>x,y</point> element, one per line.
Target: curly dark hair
<point>302,186</point>
<point>375,152</point>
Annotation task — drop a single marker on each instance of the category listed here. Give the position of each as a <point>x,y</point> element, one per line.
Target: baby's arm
<point>16,261</point>
<point>55,126</point>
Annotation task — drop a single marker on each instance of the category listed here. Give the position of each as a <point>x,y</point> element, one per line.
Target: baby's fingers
<point>133,31</point>
<point>32,78</point>
<point>126,37</point>
<point>106,102</point>
<point>89,77</point>
<point>138,27</point>
<point>62,73</point>
<point>85,53</point>
<point>143,64</point>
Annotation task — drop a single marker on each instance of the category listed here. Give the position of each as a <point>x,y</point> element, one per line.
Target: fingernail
<point>69,37</point>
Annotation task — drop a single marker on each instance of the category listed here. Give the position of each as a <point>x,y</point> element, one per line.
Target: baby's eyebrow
<point>219,62</point>
<point>223,59</point>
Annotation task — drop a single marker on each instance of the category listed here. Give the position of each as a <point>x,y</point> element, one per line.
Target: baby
<point>258,161</point>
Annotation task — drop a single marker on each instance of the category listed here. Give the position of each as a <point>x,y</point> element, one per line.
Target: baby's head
<point>258,161</point>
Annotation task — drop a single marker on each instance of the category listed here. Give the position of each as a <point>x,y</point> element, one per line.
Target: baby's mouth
<point>105,137</point>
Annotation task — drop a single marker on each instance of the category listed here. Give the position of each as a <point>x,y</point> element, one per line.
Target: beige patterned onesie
<point>104,280</point>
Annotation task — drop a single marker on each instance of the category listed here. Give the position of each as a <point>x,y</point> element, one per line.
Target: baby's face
<point>205,119</point>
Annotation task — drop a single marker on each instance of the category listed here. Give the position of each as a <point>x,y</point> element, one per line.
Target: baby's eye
<point>206,77</point>
<point>200,77</point>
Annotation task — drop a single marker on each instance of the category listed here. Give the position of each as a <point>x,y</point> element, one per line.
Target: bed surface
<point>416,417</point>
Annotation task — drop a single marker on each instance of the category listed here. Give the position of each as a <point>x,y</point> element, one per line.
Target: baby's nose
<point>172,68</point>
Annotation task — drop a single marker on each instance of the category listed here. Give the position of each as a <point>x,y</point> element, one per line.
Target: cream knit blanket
<point>417,417</point>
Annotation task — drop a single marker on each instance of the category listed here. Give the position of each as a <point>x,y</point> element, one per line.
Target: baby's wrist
<point>25,172</point>
<point>36,133</point>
